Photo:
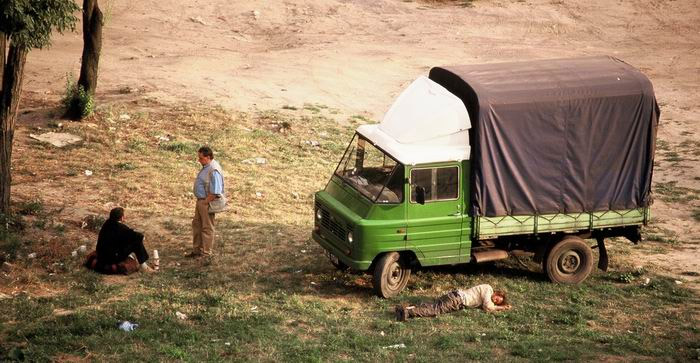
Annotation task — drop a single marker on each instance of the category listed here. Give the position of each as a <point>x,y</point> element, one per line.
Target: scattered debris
<point>57,139</point>
<point>198,20</point>
<point>381,333</point>
<point>313,143</point>
<point>74,254</point>
<point>678,282</point>
<point>395,346</point>
<point>258,194</point>
<point>255,161</point>
<point>4,296</point>
<point>254,309</point>
<point>162,138</point>
<point>646,281</point>
<point>228,343</point>
<point>313,283</point>
<point>31,255</point>
<point>124,117</point>
<point>303,251</point>
<point>180,315</point>
<point>88,172</point>
<point>127,325</point>
<point>256,14</point>
<point>296,195</point>
<point>62,312</point>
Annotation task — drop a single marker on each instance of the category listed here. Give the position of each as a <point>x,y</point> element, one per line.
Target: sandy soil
<point>356,56</point>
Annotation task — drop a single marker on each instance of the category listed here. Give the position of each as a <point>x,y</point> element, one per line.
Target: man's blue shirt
<point>216,185</point>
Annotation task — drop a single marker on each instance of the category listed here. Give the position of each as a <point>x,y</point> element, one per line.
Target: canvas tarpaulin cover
<point>557,136</point>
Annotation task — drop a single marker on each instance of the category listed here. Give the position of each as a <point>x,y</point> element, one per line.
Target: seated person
<point>115,243</point>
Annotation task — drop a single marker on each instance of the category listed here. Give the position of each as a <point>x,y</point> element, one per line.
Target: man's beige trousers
<point>202,229</point>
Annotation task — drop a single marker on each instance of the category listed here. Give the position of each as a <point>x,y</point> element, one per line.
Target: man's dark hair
<point>206,151</point>
<point>116,214</point>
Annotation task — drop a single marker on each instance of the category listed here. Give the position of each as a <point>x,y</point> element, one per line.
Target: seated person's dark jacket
<point>114,244</point>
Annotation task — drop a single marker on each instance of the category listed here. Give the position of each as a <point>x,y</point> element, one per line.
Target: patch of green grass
<point>125,166</point>
<point>179,147</point>
<point>670,192</point>
<point>33,208</point>
<point>695,214</point>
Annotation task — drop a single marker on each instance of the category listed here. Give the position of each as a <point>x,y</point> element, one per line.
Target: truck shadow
<point>506,268</point>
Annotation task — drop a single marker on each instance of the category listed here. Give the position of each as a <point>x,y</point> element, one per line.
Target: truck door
<point>434,229</point>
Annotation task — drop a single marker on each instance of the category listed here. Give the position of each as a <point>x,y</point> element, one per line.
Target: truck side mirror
<point>420,194</point>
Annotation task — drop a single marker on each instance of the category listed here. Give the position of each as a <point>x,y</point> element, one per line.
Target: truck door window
<point>447,183</point>
<point>439,183</point>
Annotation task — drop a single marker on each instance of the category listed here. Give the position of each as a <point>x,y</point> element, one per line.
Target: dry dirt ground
<point>356,56</point>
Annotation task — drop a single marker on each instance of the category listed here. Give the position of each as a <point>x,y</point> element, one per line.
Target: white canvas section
<point>425,124</point>
<point>453,147</point>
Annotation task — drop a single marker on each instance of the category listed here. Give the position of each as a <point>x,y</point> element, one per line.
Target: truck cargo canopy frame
<point>557,136</point>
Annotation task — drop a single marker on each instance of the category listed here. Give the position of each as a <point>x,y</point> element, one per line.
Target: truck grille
<point>331,223</point>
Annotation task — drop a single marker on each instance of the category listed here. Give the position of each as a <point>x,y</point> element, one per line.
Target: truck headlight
<point>350,237</point>
<point>319,214</point>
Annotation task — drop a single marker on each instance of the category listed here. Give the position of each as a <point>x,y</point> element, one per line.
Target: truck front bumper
<point>344,254</point>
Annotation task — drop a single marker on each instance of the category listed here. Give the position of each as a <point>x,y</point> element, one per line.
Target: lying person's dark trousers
<point>449,302</point>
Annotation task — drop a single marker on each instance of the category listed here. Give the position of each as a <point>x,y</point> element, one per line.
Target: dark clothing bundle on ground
<point>115,243</point>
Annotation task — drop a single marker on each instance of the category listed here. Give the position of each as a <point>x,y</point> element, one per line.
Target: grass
<point>271,295</point>
<point>670,192</point>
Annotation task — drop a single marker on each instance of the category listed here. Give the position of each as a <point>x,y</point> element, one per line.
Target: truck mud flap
<point>603,254</point>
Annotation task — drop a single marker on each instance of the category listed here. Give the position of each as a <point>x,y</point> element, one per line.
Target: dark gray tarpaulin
<point>557,136</point>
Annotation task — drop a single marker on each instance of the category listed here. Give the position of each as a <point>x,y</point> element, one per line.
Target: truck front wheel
<point>390,275</point>
<point>570,261</point>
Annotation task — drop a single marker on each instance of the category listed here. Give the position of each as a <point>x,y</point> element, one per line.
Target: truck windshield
<point>372,172</point>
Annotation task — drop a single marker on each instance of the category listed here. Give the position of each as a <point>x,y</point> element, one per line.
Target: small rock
<point>124,117</point>
<point>256,14</point>
<point>323,134</point>
<point>197,20</point>
<point>646,281</point>
<point>74,254</point>
<point>313,283</point>
<point>395,346</point>
<point>381,333</point>
<point>180,315</point>
<point>258,194</point>
<point>303,251</point>
<point>163,138</point>
<point>313,143</point>
<point>57,139</point>
<point>295,195</point>
<point>31,255</point>
<point>88,172</point>
<point>678,282</point>
<point>227,343</point>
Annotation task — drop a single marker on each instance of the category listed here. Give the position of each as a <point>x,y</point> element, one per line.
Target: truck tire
<point>390,275</point>
<point>570,261</point>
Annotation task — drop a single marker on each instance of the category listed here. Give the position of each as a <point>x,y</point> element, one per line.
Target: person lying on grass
<point>478,296</point>
<point>115,245</point>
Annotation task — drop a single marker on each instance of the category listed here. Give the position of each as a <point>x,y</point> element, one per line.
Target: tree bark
<point>13,71</point>
<point>92,45</point>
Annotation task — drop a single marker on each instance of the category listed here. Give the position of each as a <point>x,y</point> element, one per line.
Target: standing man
<point>208,186</point>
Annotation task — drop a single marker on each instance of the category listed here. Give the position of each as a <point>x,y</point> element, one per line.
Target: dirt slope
<point>356,56</point>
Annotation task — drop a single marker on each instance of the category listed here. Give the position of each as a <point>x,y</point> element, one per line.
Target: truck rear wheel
<point>390,275</point>
<point>570,261</point>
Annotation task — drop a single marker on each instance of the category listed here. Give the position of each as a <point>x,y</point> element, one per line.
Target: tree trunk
<point>92,45</point>
<point>13,71</point>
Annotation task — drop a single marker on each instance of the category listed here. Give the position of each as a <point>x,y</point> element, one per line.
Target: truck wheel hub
<point>569,262</point>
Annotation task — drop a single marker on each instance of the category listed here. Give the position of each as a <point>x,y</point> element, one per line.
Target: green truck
<point>481,162</point>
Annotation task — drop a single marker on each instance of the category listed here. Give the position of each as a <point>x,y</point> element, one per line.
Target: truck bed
<point>492,227</point>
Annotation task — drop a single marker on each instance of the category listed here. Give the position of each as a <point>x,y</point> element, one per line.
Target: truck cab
<point>399,196</point>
